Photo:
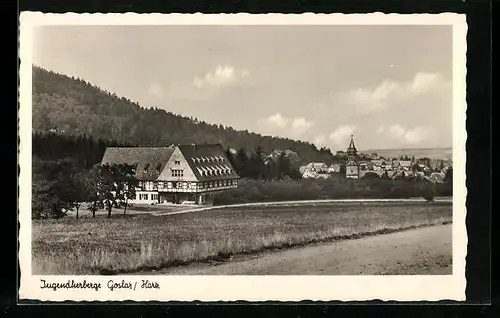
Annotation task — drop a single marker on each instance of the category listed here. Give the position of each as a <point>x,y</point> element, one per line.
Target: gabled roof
<point>405,163</point>
<point>149,161</point>
<point>377,162</point>
<point>316,165</point>
<point>208,162</point>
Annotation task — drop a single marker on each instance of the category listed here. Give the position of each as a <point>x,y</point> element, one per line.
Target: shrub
<point>429,192</point>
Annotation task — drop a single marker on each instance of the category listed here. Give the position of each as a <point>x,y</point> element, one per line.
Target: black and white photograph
<point>167,149</point>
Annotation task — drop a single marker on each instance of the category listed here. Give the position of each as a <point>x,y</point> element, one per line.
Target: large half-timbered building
<point>178,174</point>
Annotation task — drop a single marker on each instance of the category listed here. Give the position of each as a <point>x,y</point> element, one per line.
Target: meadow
<point>142,242</point>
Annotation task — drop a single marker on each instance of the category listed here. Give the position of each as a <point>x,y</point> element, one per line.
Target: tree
<point>429,191</point>
<point>106,187</point>
<point>441,165</point>
<point>448,176</point>
<point>76,191</point>
<point>415,167</point>
<point>92,189</point>
<point>126,178</point>
<point>283,165</point>
<point>448,180</point>
<point>109,184</point>
<point>242,163</point>
<point>54,190</point>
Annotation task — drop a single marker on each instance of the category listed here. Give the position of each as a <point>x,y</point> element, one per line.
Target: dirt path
<point>424,251</point>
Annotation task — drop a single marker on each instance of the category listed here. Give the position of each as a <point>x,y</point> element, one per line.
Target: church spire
<point>352,148</point>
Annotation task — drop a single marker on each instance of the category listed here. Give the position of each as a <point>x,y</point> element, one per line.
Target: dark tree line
<point>257,166</point>
<point>84,151</point>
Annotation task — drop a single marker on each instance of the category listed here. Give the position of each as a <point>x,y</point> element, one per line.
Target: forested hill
<point>74,107</point>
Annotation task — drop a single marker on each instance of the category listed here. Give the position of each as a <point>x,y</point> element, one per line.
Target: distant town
<point>357,165</point>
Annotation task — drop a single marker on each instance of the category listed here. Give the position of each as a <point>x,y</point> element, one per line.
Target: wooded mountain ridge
<point>72,106</point>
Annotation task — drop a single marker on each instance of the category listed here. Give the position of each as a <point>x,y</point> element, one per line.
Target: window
<point>143,196</point>
<point>211,184</point>
<point>146,167</point>
<point>158,167</point>
<point>154,197</point>
<point>174,184</point>
<point>177,162</point>
<point>177,173</point>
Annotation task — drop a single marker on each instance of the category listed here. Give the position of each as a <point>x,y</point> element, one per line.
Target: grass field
<point>143,242</point>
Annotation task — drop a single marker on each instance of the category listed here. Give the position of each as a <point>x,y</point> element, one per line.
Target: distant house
<point>317,166</point>
<point>445,169</point>
<point>312,170</point>
<point>366,165</point>
<point>402,173</point>
<point>395,164</point>
<point>387,165</point>
<point>176,174</point>
<point>335,167</point>
<point>437,164</point>
<point>405,164</point>
<point>436,177</point>
<point>377,164</point>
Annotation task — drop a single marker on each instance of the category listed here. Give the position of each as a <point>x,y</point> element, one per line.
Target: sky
<point>389,86</point>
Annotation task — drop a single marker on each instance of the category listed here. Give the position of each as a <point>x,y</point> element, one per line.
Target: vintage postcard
<point>225,157</point>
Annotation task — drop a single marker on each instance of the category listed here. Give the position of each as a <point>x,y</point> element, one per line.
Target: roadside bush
<point>428,192</point>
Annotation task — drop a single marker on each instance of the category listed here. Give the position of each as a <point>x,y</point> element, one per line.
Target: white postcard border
<point>250,288</point>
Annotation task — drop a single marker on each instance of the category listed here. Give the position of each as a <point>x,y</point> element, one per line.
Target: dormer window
<point>146,167</point>
<point>158,167</point>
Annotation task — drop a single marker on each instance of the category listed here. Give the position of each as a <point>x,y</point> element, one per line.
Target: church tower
<point>352,167</point>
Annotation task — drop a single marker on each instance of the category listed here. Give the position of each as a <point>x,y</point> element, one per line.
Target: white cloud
<point>390,93</point>
<point>380,130</point>
<point>221,76</point>
<point>156,90</point>
<point>408,136</point>
<point>277,122</point>
<point>340,135</point>
<point>301,125</point>
<point>320,140</point>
